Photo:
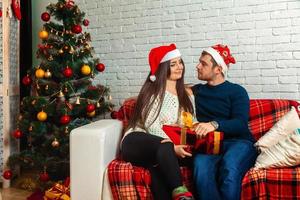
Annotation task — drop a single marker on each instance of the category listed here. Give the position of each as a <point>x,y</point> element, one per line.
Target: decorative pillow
<point>285,126</point>
<point>285,153</point>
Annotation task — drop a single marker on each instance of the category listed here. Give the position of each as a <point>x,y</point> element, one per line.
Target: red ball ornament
<point>65,119</point>
<point>68,72</point>
<point>114,115</point>
<point>76,29</point>
<point>7,174</point>
<point>90,108</point>
<point>26,80</point>
<point>17,134</point>
<point>100,67</point>
<point>86,22</point>
<point>45,16</point>
<point>44,177</point>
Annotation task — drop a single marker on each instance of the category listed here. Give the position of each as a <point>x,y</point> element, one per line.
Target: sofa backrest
<point>264,113</point>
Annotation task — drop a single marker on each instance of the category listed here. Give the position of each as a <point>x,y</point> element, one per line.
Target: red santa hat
<point>159,55</point>
<point>221,55</point>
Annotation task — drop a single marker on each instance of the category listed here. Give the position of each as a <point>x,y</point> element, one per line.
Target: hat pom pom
<point>152,78</point>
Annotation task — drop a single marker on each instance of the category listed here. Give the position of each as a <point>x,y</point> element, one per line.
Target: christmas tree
<point>63,96</point>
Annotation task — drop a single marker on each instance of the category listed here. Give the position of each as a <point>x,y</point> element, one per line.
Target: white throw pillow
<point>285,126</point>
<point>285,153</point>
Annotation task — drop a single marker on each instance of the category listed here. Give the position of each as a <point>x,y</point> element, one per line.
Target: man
<point>221,106</point>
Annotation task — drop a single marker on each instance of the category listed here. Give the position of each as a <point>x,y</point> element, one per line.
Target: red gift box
<point>211,144</point>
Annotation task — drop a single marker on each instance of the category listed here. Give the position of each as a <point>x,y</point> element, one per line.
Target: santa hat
<point>221,55</point>
<point>159,55</point>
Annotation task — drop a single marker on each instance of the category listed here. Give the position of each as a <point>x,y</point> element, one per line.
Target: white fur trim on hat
<point>218,58</point>
<point>170,55</point>
<point>152,78</point>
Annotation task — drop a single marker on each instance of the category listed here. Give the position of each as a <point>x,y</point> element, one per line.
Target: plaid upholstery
<point>129,182</point>
<point>271,184</point>
<point>132,182</point>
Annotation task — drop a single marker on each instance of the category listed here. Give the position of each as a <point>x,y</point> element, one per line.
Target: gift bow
<point>58,192</point>
<point>187,122</point>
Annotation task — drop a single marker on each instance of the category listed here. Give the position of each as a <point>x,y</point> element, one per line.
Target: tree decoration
<point>7,174</point>
<point>48,74</point>
<point>17,134</point>
<point>86,70</point>
<point>65,119</point>
<point>42,116</point>
<point>39,73</point>
<point>26,80</point>
<point>100,67</point>
<point>68,72</point>
<point>86,22</point>
<point>43,35</point>
<point>45,16</point>
<point>76,29</point>
<point>55,143</point>
<point>90,108</point>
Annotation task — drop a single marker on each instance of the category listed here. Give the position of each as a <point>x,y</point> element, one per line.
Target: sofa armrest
<point>92,147</point>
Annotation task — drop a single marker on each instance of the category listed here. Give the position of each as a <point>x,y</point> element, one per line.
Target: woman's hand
<point>180,152</point>
<point>179,149</point>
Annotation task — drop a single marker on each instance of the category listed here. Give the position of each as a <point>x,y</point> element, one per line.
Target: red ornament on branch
<point>100,67</point>
<point>26,80</point>
<point>76,29</point>
<point>45,16</point>
<point>65,119</point>
<point>69,4</point>
<point>114,115</point>
<point>68,72</point>
<point>7,174</point>
<point>17,134</point>
<point>44,177</point>
<point>90,108</point>
<point>86,22</point>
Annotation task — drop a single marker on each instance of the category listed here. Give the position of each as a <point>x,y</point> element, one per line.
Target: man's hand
<point>202,129</point>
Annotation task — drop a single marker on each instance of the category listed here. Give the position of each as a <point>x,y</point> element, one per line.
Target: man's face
<point>206,71</point>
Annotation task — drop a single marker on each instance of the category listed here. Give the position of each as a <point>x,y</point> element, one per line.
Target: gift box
<point>59,191</point>
<point>211,144</point>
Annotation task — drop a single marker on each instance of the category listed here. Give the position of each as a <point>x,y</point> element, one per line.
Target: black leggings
<point>145,150</point>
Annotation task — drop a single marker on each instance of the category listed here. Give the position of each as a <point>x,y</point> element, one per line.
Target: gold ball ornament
<point>42,116</point>
<point>60,51</point>
<point>43,35</point>
<point>86,70</point>
<point>55,143</point>
<point>48,74</point>
<point>91,114</point>
<point>39,73</point>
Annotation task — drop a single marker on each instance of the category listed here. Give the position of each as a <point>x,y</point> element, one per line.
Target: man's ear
<point>218,69</point>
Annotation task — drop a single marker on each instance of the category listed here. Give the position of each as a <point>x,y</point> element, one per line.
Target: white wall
<point>264,36</point>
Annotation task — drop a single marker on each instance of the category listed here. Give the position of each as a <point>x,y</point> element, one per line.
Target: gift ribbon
<point>217,139</point>
<point>58,192</point>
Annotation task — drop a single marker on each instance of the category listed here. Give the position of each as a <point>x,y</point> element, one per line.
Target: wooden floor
<point>14,194</point>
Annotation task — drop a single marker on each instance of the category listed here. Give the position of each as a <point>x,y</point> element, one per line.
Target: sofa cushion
<point>285,126</point>
<point>264,113</point>
<point>271,184</point>
<point>286,153</point>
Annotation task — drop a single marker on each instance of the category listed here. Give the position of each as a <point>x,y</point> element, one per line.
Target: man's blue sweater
<point>227,104</point>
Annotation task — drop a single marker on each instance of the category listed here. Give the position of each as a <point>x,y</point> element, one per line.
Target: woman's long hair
<point>152,90</point>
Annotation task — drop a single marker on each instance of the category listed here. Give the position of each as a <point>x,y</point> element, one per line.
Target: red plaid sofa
<point>131,182</point>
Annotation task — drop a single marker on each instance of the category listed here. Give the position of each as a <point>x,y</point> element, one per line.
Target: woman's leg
<point>146,150</point>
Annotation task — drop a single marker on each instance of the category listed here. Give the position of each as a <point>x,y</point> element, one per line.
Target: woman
<point>160,101</point>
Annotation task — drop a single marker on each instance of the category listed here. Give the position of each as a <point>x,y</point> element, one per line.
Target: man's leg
<point>205,172</point>
<point>239,157</point>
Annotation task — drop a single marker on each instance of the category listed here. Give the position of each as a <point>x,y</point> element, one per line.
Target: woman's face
<point>176,69</point>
